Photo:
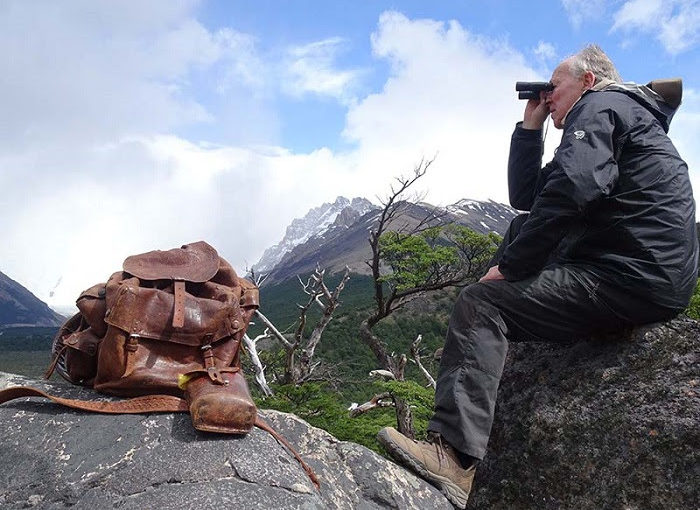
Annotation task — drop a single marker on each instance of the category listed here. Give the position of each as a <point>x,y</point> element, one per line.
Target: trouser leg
<point>559,303</point>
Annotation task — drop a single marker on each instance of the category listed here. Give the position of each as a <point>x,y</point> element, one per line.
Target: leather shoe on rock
<point>434,461</point>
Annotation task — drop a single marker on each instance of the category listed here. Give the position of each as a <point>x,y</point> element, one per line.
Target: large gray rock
<point>611,424</point>
<point>54,457</point>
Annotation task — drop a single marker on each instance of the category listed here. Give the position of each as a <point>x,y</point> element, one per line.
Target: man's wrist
<point>532,125</point>
<point>527,133</point>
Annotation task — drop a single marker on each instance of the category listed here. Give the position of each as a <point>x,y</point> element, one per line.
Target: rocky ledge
<point>55,458</point>
<point>610,423</point>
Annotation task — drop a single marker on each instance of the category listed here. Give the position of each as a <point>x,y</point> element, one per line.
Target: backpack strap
<point>137,405</point>
<point>140,405</point>
<point>262,424</point>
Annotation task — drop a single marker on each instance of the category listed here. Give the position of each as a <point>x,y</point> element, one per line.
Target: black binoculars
<point>532,89</point>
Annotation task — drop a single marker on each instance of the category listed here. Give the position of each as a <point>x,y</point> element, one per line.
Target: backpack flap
<point>148,312</point>
<point>195,262</point>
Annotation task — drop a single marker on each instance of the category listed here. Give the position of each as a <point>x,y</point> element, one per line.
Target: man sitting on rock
<point>609,243</point>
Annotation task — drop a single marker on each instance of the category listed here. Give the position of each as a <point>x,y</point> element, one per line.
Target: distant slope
<point>315,222</point>
<point>19,307</point>
<point>346,243</point>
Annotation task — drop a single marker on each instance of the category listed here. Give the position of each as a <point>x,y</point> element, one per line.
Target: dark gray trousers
<point>560,303</point>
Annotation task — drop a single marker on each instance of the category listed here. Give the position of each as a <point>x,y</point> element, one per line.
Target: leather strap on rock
<point>142,405</point>
<point>262,424</point>
<point>137,405</point>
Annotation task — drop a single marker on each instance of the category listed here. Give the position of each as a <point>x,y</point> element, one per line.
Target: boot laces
<point>440,446</point>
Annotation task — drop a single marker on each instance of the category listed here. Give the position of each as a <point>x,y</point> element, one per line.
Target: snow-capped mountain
<point>345,241</point>
<point>483,216</point>
<point>341,213</point>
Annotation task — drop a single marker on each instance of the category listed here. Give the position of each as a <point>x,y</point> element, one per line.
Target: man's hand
<point>536,112</point>
<point>492,274</point>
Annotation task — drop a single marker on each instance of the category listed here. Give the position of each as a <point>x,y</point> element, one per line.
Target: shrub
<point>693,309</point>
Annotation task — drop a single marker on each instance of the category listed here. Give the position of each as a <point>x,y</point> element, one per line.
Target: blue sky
<point>130,126</point>
<point>309,120</point>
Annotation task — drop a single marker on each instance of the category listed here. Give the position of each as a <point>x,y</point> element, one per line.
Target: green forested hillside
<point>349,360</point>
<point>26,350</point>
<point>341,346</point>
<point>27,338</point>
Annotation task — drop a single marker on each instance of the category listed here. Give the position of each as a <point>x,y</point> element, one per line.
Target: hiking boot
<point>434,461</point>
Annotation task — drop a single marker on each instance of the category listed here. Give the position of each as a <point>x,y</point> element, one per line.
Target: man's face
<point>567,90</point>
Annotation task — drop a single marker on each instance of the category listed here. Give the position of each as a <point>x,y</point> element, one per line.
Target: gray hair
<point>593,59</point>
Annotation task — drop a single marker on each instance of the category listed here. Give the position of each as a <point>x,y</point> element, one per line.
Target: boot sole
<point>455,494</point>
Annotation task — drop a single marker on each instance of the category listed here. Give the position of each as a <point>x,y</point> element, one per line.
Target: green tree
<point>410,258</point>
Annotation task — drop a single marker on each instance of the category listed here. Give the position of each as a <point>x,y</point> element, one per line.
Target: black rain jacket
<point>616,198</point>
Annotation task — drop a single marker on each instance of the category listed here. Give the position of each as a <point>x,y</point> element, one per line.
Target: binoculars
<point>532,89</point>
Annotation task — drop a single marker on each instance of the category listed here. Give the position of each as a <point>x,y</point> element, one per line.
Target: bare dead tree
<point>300,365</point>
<point>252,348</point>
<point>300,350</point>
<point>328,301</point>
<point>389,399</point>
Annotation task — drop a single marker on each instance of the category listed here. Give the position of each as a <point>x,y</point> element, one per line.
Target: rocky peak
<point>314,223</point>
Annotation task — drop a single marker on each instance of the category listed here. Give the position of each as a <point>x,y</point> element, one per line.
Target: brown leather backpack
<point>166,330</point>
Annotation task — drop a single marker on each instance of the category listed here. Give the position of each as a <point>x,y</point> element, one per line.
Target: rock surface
<point>599,424</point>
<point>55,458</point>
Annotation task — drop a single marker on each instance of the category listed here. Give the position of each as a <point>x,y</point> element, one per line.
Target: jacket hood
<point>648,98</point>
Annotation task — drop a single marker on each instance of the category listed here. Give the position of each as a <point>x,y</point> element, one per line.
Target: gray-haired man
<point>609,243</point>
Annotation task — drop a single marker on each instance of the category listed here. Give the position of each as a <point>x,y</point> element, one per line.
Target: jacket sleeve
<point>524,163</point>
<point>582,172</point>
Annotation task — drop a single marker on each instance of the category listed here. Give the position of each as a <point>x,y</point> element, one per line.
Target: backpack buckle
<point>212,370</point>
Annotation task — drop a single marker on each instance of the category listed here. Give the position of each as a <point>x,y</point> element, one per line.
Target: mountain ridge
<point>345,241</point>
<point>19,307</point>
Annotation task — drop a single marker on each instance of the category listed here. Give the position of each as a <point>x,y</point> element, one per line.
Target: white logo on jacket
<point>579,134</point>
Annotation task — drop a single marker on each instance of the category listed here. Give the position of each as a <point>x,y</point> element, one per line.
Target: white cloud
<point>580,11</point>
<point>148,193</point>
<point>311,69</point>
<point>90,72</point>
<point>93,170</point>
<point>88,174</point>
<point>674,23</point>
<point>450,94</point>
<point>545,51</point>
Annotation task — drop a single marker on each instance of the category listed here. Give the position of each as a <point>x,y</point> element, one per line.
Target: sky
<point>132,126</point>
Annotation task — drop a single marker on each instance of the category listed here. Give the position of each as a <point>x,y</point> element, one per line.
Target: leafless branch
<point>328,311</point>
<point>279,336</point>
<point>257,279</point>
<point>380,400</point>
<point>251,346</point>
<point>386,374</point>
<point>415,354</point>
